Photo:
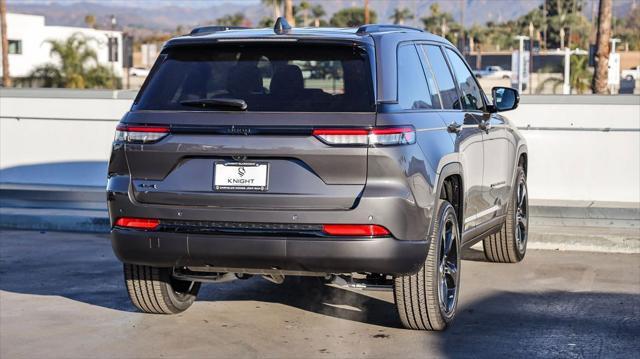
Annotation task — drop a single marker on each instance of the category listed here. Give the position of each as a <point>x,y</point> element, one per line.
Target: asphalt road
<point>62,295</point>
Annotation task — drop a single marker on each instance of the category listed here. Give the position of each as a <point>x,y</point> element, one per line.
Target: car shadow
<point>549,324</point>
<point>309,294</point>
<point>82,267</point>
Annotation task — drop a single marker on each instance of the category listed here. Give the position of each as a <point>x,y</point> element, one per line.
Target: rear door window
<point>443,77</point>
<point>301,78</point>
<point>413,91</point>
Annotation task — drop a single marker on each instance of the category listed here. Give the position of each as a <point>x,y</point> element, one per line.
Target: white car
<point>493,72</point>
<point>631,74</point>
<point>138,72</point>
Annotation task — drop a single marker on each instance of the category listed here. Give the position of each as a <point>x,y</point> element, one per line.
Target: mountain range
<point>167,15</point>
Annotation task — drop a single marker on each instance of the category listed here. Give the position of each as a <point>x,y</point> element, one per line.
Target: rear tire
<point>510,244</point>
<point>427,300</point>
<point>154,290</point>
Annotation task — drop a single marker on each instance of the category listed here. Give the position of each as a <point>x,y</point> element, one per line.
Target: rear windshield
<point>268,77</point>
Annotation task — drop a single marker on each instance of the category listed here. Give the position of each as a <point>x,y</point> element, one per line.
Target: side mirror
<point>504,99</point>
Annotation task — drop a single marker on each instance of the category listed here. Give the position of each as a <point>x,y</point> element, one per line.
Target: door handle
<point>485,125</point>
<point>454,127</point>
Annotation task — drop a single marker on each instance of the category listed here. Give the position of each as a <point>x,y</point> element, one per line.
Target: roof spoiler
<point>367,29</point>
<point>215,28</point>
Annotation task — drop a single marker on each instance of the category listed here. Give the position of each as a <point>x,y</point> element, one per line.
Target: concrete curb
<point>63,220</point>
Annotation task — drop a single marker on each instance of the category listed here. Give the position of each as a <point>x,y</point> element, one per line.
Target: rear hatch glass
<point>287,91</point>
<point>267,77</point>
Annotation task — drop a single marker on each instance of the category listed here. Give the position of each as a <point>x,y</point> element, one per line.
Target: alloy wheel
<point>449,275</point>
<point>522,216</point>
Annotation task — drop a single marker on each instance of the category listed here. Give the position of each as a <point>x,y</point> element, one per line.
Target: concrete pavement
<point>62,295</point>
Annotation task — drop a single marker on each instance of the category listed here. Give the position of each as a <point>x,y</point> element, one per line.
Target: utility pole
<point>462,32</point>
<point>544,25</point>
<point>599,85</point>
<point>6,79</point>
<point>288,12</point>
<point>366,11</point>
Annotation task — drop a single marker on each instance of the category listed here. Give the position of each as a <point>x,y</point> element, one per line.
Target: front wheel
<point>427,300</point>
<point>154,290</point>
<point>510,244</point>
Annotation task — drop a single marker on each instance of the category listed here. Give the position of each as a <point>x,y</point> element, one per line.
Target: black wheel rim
<point>522,216</point>
<point>448,266</point>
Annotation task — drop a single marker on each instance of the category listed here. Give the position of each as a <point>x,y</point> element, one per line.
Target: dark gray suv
<point>365,157</point>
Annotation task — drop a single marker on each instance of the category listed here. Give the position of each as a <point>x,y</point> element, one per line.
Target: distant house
<point>27,36</point>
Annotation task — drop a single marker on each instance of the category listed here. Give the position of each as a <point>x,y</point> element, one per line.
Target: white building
<point>28,48</point>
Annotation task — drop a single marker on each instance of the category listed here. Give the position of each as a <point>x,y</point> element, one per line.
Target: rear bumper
<point>327,255</point>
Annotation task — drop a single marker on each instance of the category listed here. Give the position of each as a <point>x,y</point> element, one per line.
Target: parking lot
<point>62,295</point>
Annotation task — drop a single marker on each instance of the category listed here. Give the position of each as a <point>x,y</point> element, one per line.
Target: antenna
<point>281,26</point>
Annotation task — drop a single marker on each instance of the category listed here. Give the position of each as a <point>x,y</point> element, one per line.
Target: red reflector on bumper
<point>366,230</point>
<point>137,223</point>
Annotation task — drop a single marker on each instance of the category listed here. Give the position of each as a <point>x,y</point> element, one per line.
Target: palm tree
<point>237,19</point>
<point>90,21</point>
<point>288,12</point>
<point>400,15</point>
<point>317,12</point>
<point>579,77</point>
<point>6,79</point>
<point>77,67</point>
<point>276,4</point>
<point>305,7</point>
<point>438,22</point>
<point>599,84</point>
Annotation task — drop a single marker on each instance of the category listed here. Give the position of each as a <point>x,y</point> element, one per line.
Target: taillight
<point>363,137</point>
<point>137,223</point>
<point>355,230</point>
<point>140,134</point>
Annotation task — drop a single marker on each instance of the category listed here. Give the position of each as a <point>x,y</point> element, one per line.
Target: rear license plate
<point>240,176</point>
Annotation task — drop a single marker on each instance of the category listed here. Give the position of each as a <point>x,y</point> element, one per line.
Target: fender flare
<point>452,168</point>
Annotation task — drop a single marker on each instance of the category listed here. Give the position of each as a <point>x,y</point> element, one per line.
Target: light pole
<point>531,29</point>
<point>521,39</point>
<point>112,43</point>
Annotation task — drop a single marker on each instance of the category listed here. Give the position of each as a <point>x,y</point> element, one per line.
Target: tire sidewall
<point>520,178</point>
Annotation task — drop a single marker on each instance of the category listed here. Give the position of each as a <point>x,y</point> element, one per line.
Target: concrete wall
<point>582,148</point>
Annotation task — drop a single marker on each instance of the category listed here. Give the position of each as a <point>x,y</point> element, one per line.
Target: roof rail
<point>366,29</point>
<point>215,28</point>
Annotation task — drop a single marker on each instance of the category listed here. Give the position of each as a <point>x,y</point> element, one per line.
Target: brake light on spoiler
<point>382,136</point>
<point>140,134</point>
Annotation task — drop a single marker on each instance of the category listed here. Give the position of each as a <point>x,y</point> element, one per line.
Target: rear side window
<point>274,77</point>
<point>413,91</point>
<point>444,79</point>
<point>471,95</point>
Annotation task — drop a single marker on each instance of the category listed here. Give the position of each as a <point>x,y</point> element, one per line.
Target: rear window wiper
<point>231,103</point>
